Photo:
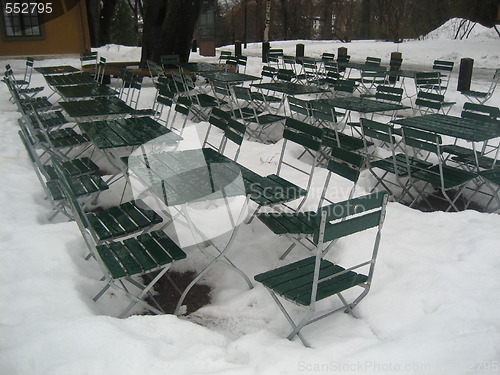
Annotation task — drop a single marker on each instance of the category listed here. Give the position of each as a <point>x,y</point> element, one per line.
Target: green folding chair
<point>125,263</point>
<point>308,281</point>
<point>297,226</point>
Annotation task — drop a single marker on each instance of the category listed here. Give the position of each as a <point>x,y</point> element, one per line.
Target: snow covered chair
<point>482,97</point>
<point>125,261</point>
<point>312,279</point>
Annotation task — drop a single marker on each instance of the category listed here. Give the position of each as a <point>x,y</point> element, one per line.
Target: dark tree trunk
<point>93,11</point>
<point>168,28</point>
<point>284,12</point>
<point>100,21</point>
<point>366,14</point>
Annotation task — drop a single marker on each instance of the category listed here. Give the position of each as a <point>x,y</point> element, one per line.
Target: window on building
<point>19,24</point>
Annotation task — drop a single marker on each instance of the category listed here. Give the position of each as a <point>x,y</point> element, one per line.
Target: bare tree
<point>168,28</point>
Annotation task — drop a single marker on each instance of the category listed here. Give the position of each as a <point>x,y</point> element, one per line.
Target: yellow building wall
<point>67,33</point>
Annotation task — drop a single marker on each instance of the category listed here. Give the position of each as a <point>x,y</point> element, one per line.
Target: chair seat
<point>483,162</point>
<point>399,166</point>
<point>209,101</point>
<point>284,191</point>
<point>73,168</point>
<point>30,90</point>
<point>294,281</point>
<point>265,119</point>
<point>452,176</point>
<point>39,104</point>
<point>81,186</point>
<point>65,138</point>
<point>125,219</point>
<point>347,142</point>
<point>457,150</point>
<point>477,94</point>
<point>492,175</point>
<point>140,255</point>
<point>48,119</point>
<point>290,222</point>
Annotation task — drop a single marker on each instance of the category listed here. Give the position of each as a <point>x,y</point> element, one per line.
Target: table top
<point>289,88</point>
<point>60,69</point>
<point>467,129</point>
<point>85,91</point>
<point>128,132</point>
<point>362,105</point>
<point>180,177</point>
<point>105,106</point>
<point>80,78</point>
<point>363,66</point>
<point>199,67</point>
<point>230,77</point>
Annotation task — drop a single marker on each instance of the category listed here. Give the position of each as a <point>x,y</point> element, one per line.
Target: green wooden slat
<point>98,227</point>
<point>123,255</point>
<point>110,261</point>
<point>169,245</point>
<point>154,249</point>
<point>350,226</point>
<point>303,127</point>
<point>117,221</point>
<point>263,277</point>
<point>142,216</point>
<point>331,287</point>
<point>140,254</point>
<point>293,223</point>
<point>302,139</point>
<point>55,190</point>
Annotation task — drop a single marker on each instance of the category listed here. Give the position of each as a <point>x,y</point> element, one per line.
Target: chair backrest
<point>170,61</point>
<point>126,77</point>
<point>421,140</point>
<point>289,62</point>
<point>155,70</point>
<point>134,91</point>
<point>218,118</point>
<point>494,82</point>
<point>331,66</point>
<point>445,68</point>
<point>274,55</point>
<point>234,132</point>
<point>442,65</point>
<point>89,58</point>
<point>428,81</point>
<point>351,216</point>
<point>428,102</point>
<point>101,70</point>
<point>268,72</point>
<point>389,94</point>
<point>327,56</point>
<point>164,98</point>
<point>322,112</point>
<point>344,86</point>
<point>480,112</point>
<point>285,75</point>
<point>373,61</point>
<point>242,92</point>
<point>346,164</point>
<point>242,63</point>
<point>299,106</point>
<point>342,59</point>
<point>307,136</point>
<point>224,55</point>
<point>30,62</point>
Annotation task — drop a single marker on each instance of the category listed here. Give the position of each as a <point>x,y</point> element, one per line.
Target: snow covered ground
<point>433,307</point>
